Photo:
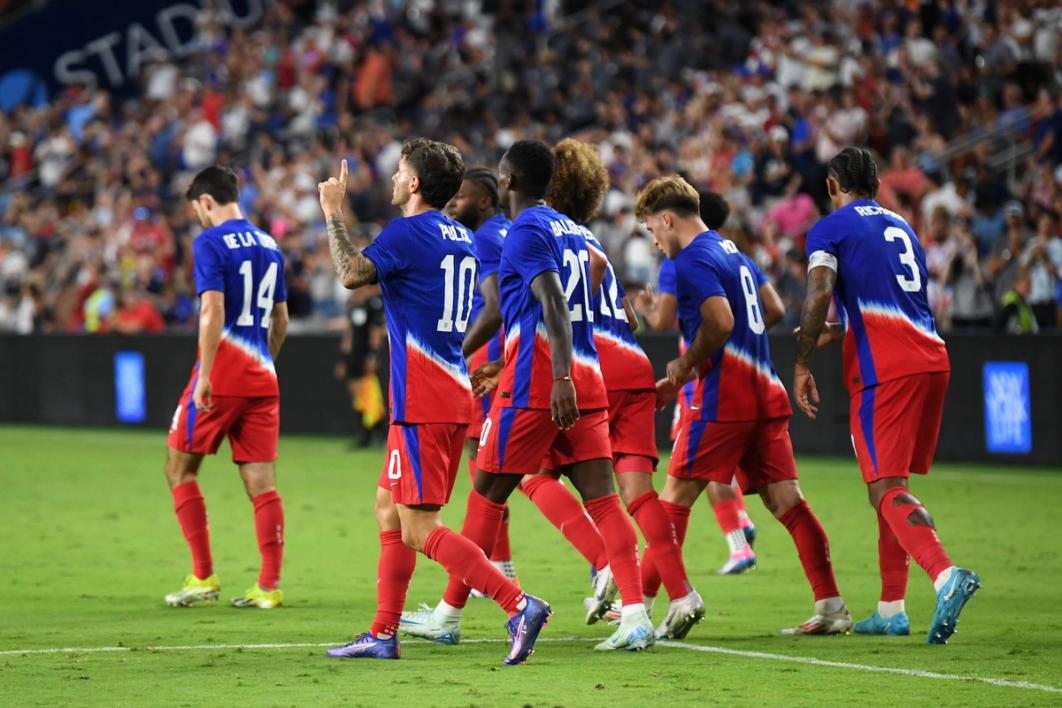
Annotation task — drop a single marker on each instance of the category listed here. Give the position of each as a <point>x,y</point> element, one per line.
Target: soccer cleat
<point>195,590</point>
<point>960,587</point>
<point>426,624</point>
<point>367,646</point>
<point>604,590</point>
<point>524,628</point>
<point>681,615</point>
<point>826,620</point>
<point>899,625</point>
<point>634,634</point>
<point>506,568</point>
<point>262,599</point>
<point>739,563</point>
<point>750,534</point>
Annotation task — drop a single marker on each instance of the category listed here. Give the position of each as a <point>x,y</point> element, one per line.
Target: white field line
<point>765,656</point>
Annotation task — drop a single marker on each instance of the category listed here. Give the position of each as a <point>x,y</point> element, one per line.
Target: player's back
<point>881,286</point>
<point>427,269</point>
<point>624,364</point>
<point>739,382</point>
<point>245,263</point>
<point>542,239</point>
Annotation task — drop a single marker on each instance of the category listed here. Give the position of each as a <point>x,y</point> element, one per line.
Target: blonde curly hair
<point>579,181</point>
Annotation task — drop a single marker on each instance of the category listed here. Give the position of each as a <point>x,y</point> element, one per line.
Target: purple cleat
<point>524,628</point>
<point>367,646</point>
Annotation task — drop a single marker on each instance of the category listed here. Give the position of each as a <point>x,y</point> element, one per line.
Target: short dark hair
<point>486,179</point>
<point>855,170</point>
<point>439,167</point>
<point>219,181</point>
<point>531,162</point>
<point>714,209</point>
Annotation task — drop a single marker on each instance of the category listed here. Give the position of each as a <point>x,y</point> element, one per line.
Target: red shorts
<point>895,425</point>
<point>252,425</point>
<point>525,440</point>
<point>632,430</point>
<point>757,452</point>
<point>477,414</point>
<point>422,461</point>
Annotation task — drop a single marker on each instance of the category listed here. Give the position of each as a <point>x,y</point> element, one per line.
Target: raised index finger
<point>343,174</point>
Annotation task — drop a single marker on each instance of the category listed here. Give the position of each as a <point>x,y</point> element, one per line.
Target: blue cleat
<point>750,534</point>
<point>951,598</point>
<point>896,626</point>
<point>367,646</point>
<point>524,629</point>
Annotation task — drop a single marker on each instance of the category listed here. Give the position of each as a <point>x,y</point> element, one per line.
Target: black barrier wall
<point>70,380</point>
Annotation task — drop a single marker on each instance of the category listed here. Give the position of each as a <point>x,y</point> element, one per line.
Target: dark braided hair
<point>486,179</point>
<point>855,170</point>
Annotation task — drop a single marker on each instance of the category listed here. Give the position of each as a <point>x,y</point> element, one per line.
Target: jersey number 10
<point>461,279</point>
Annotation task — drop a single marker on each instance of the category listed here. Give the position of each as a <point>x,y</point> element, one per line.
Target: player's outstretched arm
<point>547,289</point>
<point>490,318</point>
<point>278,328</point>
<point>821,280</point>
<point>717,322</point>
<point>353,268</point>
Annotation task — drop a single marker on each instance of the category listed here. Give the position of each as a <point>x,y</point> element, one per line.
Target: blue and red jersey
<point>624,364</point>
<point>540,240</point>
<point>880,292</point>
<point>666,285</point>
<point>738,382</point>
<point>240,260</point>
<point>487,241</point>
<point>427,269</point>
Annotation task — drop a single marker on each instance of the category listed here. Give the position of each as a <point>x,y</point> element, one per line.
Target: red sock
<point>566,513</point>
<point>463,559</point>
<point>621,544</point>
<point>813,548</point>
<point>397,561</point>
<point>659,535</point>
<point>726,513</point>
<point>893,562</point>
<point>482,521</point>
<point>919,540</point>
<point>191,515</point>
<point>680,521</point>
<point>502,551</point>
<point>269,525</point>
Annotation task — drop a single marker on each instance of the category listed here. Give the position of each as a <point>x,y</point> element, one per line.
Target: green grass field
<point>90,546</point>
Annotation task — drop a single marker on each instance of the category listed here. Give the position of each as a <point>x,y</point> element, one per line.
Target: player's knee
<point>780,497</point>
<point>413,537</point>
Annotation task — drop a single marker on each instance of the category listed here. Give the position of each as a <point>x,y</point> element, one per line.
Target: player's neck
<point>415,206</point>
<point>690,229</point>
<point>519,203</point>
<point>225,212</point>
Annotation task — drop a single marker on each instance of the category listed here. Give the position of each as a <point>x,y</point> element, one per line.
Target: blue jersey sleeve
<point>281,292</point>
<point>757,274</point>
<point>698,278</point>
<point>531,252</point>
<point>823,237</point>
<point>386,252</point>
<point>209,265</point>
<point>665,280</point>
<point>488,253</point>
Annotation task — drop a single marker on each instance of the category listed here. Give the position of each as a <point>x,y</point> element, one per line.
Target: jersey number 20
<point>578,265</point>
<point>465,276</point>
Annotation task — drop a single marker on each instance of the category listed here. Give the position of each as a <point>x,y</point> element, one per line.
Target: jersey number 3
<point>907,258</point>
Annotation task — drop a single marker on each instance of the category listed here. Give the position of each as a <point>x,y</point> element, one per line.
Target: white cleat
<point>425,623</point>
<point>604,591</point>
<point>831,617</point>
<point>681,615</point>
<point>634,634</point>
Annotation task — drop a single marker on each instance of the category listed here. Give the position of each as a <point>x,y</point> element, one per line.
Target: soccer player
<point>660,309</point>
<point>243,317</point>
<point>579,183</point>
<point>426,267</point>
<point>740,411</point>
<point>896,369</point>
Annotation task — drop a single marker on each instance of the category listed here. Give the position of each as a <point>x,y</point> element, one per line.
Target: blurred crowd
<point>960,99</point>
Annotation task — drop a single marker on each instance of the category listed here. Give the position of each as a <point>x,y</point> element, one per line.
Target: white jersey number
<point>578,265</point>
<point>752,301</point>
<point>465,276</point>
<point>610,302</point>
<point>907,258</point>
<point>266,289</point>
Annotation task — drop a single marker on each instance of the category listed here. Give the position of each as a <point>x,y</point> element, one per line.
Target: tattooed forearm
<point>816,307</point>
<point>354,269</point>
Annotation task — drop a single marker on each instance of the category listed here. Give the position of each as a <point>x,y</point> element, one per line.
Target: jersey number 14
<point>266,289</point>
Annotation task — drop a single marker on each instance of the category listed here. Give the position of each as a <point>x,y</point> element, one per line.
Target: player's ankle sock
<point>890,609</point>
<point>463,559</point>
<point>893,562</point>
<point>918,538</point>
<point>269,526</point>
<point>726,514</point>
<point>813,547</point>
<point>447,613</point>
<point>621,544</point>
<point>942,578</point>
<point>659,534</point>
<point>483,519</point>
<point>191,513</point>
<point>502,551</point>
<point>632,613</point>
<point>565,512</point>
<point>397,561</point>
